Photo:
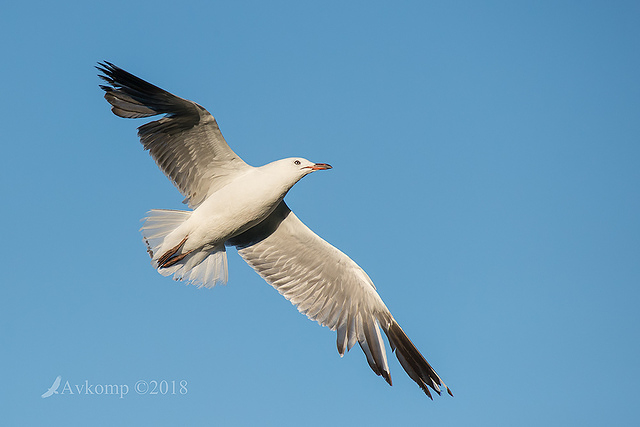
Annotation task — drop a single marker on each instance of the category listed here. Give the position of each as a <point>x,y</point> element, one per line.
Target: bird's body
<point>245,201</point>
<point>235,204</point>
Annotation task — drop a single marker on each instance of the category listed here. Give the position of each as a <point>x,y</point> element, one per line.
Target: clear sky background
<point>486,176</point>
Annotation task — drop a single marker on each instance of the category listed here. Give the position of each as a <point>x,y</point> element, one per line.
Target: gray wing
<point>186,144</point>
<point>330,288</point>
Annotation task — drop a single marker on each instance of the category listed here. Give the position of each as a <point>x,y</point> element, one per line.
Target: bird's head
<point>299,167</point>
<point>307,167</point>
<point>287,172</point>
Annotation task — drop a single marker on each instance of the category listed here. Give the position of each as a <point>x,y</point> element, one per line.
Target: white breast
<point>243,203</point>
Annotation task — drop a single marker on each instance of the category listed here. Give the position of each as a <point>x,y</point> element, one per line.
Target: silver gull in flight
<point>235,204</point>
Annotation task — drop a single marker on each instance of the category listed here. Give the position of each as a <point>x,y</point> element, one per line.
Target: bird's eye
<point>296,162</point>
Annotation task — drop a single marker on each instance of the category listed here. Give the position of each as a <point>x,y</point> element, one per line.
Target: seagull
<point>237,205</point>
<point>53,389</point>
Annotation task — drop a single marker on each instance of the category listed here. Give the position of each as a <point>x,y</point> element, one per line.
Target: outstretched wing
<point>330,288</point>
<point>186,144</point>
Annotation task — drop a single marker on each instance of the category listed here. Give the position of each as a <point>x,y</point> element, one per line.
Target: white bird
<point>235,204</point>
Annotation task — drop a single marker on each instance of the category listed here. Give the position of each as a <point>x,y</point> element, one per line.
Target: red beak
<point>319,166</point>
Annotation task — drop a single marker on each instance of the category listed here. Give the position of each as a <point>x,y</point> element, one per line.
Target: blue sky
<point>486,170</point>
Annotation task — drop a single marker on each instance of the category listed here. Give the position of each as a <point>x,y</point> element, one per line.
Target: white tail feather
<point>158,224</point>
<point>203,267</point>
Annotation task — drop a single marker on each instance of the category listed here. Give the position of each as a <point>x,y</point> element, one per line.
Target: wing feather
<point>321,281</point>
<point>186,144</point>
<point>330,288</point>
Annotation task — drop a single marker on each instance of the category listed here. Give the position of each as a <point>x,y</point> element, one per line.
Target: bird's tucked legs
<point>169,258</point>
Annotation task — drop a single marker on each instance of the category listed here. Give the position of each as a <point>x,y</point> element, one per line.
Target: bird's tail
<point>201,267</point>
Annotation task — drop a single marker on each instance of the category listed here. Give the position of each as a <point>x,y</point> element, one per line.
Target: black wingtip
<point>106,66</point>
<point>387,377</point>
<point>412,361</point>
<point>108,71</point>
<point>117,78</point>
<point>427,392</point>
<point>133,97</point>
